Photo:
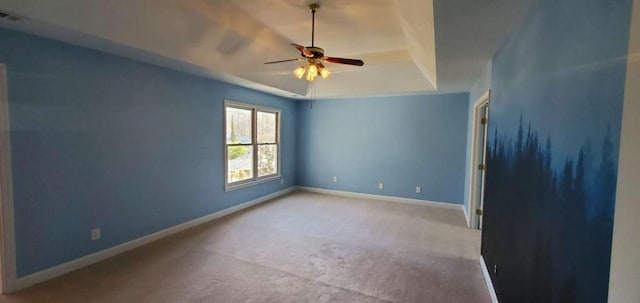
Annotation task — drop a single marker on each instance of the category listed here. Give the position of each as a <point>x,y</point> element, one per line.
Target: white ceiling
<point>408,46</point>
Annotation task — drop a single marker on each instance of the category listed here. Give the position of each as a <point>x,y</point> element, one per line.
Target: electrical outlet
<point>381,186</point>
<point>95,234</point>
<point>418,189</point>
<point>495,269</point>
<point>281,181</point>
<point>335,179</point>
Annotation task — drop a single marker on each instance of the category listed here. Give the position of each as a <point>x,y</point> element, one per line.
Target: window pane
<point>238,126</point>
<point>239,163</point>
<point>267,160</point>
<point>266,127</point>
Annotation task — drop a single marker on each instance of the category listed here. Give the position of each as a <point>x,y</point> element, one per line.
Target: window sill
<point>229,187</point>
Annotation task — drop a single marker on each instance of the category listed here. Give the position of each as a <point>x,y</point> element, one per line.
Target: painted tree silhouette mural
<point>567,212</point>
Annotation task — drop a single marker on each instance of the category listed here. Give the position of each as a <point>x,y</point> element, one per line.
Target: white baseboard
<point>487,280</point>
<point>467,216</point>
<point>381,197</point>
<point>87,260</point>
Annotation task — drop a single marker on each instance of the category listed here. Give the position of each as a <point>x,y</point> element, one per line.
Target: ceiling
<point>408,46</point>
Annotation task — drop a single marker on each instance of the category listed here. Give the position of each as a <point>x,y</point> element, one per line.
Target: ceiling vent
<point>9,16</point>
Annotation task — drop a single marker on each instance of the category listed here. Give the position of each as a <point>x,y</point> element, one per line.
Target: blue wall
<point>555,116</point>
<point>103,141</point>
<point>403,142</point>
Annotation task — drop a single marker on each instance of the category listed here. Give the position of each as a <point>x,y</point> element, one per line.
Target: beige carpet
<point>303,247</point>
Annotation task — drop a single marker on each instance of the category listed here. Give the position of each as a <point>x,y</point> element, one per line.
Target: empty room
<point>320,151</point>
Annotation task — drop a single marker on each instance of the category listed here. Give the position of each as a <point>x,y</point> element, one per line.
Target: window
<point>252,144</point>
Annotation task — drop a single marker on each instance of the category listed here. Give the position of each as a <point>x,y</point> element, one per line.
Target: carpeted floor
<point>303,247</point>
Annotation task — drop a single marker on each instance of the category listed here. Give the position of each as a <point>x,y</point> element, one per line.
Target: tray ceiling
<point>230,40</point>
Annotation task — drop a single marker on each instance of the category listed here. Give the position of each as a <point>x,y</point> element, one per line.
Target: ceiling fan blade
<point>344,61</point>
<point>281,61</point>
<point>305,52</point>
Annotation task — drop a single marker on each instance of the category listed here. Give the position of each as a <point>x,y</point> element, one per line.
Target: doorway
<point>478,161</point>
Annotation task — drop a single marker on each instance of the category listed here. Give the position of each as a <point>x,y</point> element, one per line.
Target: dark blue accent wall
<point>404,142</point>
<point>555,116</point>
<point>103,141</point>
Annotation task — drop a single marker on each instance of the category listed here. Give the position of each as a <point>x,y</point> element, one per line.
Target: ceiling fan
<point>315,55</point>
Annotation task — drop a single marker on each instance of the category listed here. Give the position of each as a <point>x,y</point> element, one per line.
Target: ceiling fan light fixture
<point>313,72</point>
<point>324,72</point>
<point>311,77</point>
<point>299,72</point>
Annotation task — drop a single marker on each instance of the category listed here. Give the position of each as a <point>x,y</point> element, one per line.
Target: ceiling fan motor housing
<point>316,51</point>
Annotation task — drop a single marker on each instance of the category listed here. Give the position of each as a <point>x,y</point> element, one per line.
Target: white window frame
<point>254,145</point>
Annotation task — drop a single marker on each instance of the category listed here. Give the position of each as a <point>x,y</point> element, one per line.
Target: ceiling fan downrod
<point>313,7</point>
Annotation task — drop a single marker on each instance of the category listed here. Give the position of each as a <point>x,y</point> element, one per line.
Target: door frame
<point>7,232</point>
<point>475,161</point>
